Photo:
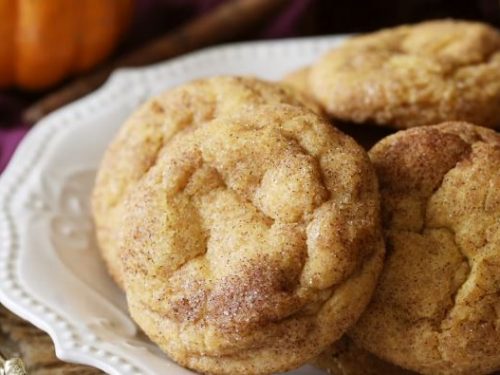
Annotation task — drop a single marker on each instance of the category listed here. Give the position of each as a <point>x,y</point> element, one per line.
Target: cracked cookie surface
<point>413,75</point>
<point>253,242</point>
<point>436,309</point>
<point>148,130</point>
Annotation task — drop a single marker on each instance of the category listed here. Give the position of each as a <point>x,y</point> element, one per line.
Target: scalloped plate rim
<point>36,143</point>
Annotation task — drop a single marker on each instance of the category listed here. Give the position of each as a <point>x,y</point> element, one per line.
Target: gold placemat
<point>19,338</point>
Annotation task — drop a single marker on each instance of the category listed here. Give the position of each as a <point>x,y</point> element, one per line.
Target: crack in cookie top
<point>413,75</point>
<point>436,309</point>
<point>253,242</point>
<point>149,129</point>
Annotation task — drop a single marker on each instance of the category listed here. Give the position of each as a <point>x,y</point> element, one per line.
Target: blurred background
<point>49,47</point>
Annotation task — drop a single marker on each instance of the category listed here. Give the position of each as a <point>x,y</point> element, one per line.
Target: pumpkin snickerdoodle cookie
<point>413,75</point>
<point>436,309</point>
<point>152,127</point>
<point>253,242</point>
<point>366,135</point>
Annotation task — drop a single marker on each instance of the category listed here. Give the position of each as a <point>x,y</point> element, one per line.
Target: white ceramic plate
<point>50,272</point>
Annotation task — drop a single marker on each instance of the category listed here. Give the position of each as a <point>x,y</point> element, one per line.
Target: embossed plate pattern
<point>50,272</point>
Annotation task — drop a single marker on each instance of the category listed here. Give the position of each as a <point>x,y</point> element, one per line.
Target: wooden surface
<point>20,339</point>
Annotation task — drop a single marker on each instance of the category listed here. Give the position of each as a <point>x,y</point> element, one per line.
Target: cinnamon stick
<point>224,23</point>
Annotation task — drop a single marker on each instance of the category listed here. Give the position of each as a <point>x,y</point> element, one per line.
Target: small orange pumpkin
<point>43,41</point>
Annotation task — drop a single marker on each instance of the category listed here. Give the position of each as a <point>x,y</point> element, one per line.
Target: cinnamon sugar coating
<point>413,75</point>
<point>436,309</point>
<point>252,242</point>
<point>150,129</point>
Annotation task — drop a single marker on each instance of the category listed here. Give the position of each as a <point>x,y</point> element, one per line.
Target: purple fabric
<point>152,18</point>
<point>9,139</point>
<point>12,130</point>
<point>286,24</point>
